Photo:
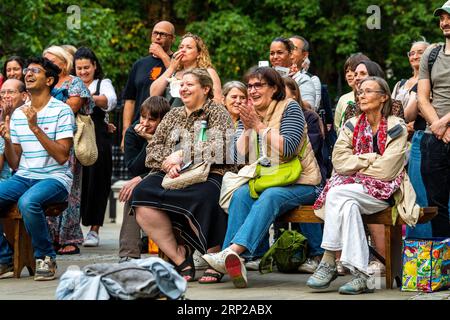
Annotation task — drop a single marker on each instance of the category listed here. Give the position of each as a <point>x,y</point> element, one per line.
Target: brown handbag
<point>196,174</point>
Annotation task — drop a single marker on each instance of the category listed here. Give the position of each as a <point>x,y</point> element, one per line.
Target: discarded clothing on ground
<point>148,278</point>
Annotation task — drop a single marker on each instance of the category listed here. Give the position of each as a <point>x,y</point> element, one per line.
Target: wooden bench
<point>392,232</point>
<point>20,240</point>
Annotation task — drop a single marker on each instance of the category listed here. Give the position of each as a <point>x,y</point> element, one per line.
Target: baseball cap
<point>445,8</point>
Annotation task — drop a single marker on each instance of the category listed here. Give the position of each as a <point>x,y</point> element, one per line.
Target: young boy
<point>137,136</point>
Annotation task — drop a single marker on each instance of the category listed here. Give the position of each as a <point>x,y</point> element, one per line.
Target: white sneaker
<point>236,269</point>
<point>309,266</point>
<point>217,260</point>
<point>376,267</point>
<point>199,262</point>
<point>253,265</point>
<point>92,239</point>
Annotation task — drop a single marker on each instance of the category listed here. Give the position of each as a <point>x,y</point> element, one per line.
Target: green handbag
<point>276,176</point>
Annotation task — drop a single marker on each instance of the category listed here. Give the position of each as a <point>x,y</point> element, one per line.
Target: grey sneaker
<point>45,269</point>
<point>357,285</point>
<point>309,266</point>
<point>6,271</point>
<point>322,277</point>
<point>253,265</point>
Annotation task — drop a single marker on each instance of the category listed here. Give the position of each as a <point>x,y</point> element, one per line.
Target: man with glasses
<point>38,138</point>
<point>12,95</point>
<point>145,71</point>
<point>307,86</point>
<point>435,143</point>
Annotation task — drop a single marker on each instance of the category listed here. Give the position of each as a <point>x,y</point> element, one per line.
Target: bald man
<point>145,71</point>
<point>12,95</point>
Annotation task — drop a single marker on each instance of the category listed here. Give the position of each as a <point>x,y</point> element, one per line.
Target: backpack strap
<point>432,59</point>
<point>97,89</point>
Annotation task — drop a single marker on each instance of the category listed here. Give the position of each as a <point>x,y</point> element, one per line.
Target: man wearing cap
<point>435,144</point>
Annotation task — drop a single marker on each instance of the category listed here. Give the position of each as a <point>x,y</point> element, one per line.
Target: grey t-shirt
<point>440,75</point>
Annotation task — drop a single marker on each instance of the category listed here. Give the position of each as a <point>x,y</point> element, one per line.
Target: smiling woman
<point>96,184</point>
<point>193,211</point>
<point>192,53</point>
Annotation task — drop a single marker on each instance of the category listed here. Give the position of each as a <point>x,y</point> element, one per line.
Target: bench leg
<point>23,250</point>
<point>393,246</point>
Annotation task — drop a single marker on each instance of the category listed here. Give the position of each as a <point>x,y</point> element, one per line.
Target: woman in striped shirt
<point>278,123</point>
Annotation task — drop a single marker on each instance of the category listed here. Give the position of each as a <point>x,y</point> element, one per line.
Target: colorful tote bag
<point>426,264</point>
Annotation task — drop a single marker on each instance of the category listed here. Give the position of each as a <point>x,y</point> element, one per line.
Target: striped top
<point>291,128</point>
<point>57,120</point>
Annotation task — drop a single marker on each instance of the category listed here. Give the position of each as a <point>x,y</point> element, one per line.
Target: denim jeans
<point>423,230</point>
<point>435,168</point>
<point>249,219</point>
<point>31,195</point>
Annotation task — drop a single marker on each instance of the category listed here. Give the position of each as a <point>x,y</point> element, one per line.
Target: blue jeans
<point>31,195</point>
<point>422,230</point>
<point>249,219</point>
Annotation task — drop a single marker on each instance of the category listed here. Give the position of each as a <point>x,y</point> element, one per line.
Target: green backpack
<point>288,253</point>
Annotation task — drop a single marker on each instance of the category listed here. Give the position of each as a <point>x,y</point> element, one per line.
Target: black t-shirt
<point>141,77</point>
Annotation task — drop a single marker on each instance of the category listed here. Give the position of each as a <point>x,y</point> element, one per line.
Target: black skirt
<point>194,211</point>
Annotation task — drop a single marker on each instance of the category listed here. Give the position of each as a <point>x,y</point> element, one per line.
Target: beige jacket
<point>310,169</point>
<point>386,167</point>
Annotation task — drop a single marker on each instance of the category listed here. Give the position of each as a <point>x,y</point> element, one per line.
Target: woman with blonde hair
<point>65,229</point>
<point>192,53</point>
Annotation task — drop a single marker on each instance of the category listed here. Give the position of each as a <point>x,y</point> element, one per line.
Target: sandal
<point>187,274</point>
<point>63,251</point>
<point>217,276</point>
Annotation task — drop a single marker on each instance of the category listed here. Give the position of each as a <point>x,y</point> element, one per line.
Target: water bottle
<point>202,135</point>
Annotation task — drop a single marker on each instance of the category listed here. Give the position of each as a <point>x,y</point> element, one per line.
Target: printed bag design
<point>426,264</point>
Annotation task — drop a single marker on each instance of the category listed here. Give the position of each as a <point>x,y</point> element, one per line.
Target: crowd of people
<point>392,149</point>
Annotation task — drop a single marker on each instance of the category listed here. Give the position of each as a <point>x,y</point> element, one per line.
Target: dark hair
<point>305,42</point>
<point>51,69</point>
<point>156,106</point>
<point>287,43</point>
<point>86,53</point>
<point>273,79</point>
<point>293,86</point>
<point>353,61</point>
<point>21,61</point>
<point>386,111</point>
<point>373,69</point>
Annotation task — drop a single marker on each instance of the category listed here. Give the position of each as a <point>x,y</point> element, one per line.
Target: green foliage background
<point>237,32</point>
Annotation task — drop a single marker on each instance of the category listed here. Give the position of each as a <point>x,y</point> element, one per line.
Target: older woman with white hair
<point>368,159</point>
<point>65,229</point>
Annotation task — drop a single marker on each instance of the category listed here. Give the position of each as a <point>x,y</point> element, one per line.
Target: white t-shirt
<point>57,120</point>
<point>106,89</point>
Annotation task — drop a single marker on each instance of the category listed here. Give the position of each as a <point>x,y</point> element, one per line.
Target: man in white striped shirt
<point>38,139</point>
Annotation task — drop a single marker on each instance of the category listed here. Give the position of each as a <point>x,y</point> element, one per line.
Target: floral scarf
<point>363,143</point>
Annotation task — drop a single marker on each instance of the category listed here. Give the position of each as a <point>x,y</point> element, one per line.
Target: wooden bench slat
<point>306,214</point>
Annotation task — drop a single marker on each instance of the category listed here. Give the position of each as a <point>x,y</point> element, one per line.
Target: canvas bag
<point>426,264</point>
<point>84,142</point>
<point>288,253</point>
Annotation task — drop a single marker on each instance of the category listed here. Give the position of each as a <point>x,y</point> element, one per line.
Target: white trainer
<point>217,260</point>
<point>92,239</point>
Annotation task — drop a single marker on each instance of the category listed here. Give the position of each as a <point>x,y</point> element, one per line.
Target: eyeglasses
<point>412,53</point>
<point>34,70</point>
<point>161,34</point>
<point>257,86</point>
<point>10,92</point>
<point>367,91</point>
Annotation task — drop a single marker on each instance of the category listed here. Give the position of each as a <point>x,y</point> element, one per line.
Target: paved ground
<point>269,286</point>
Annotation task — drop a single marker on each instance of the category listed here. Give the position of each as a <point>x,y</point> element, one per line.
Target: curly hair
<point>204,60</point>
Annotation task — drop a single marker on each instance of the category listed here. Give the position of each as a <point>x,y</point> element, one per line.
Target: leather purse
<point>195,174</point>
